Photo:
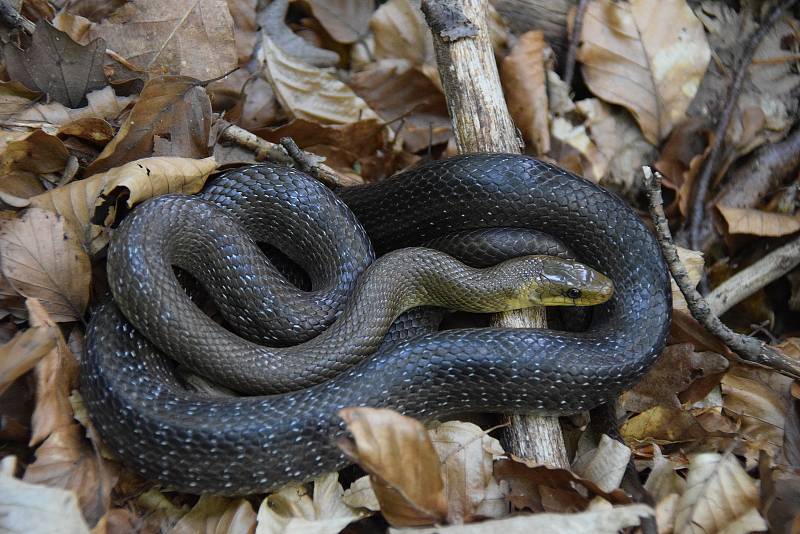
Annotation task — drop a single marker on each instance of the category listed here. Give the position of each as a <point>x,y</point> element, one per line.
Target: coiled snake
<point>237,445</point>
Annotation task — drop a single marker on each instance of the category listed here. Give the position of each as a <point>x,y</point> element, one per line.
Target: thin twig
<point>11,18</point>
<point>751,350</point>
<point>306,162</point>
<point>574,39</point>
<point>704,180</point>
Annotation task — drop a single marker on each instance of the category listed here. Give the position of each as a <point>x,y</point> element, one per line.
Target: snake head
<point>569,283</point>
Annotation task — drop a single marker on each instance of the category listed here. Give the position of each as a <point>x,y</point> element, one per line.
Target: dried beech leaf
<point>42,258</point>
<point>183,37</point>
<point>401,32</point>
<point>467,454</point>
<point>171,118</point>
<point>56,65</point>
<point>102,104</point>
<point>662,425</point>
<point>398,454</point>
<point>273,24</point>
<point>347,21</point>
<point>681,157</point>
<point>28,507</point>
<point>603,521</point>
<point>759,222</point>
<point>604,465</point>
<point>35,152</point>
<point>25,349</point>
<point>362,138</point>
<point>719,496</point>
<point>694,263</point>
<point>14,98</point>
<point>523,76</point>
<point>65,460</point>
<point>217,515</point>
<point>631,57</point>
<point>310,93</point>
<point>663,480</point>
<point>361,495</point>
<point>291,510</point>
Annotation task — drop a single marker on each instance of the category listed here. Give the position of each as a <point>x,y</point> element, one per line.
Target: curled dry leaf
<point>361,495</point>
<point>102,104</point>
<point>401,32</point>
<point>603,521</point>
<point>171,118</point>
<point>310,93</point>
<point>42,258</point>
<point>133,182</point>
<point>217,515</point>
<point>36,152</point>
<point>681,157</point>
<point>719,496</point>
<point>65,460</point>
<point>183,37</point>
<point>605,464</point>
<point>467,454</point>
<point>759,222</point>
<point>347,21</point>
<point>632,58</point>
<point>292,511</point>
<point>663,480</point>
<point>58,66</point>
<point>403,465</point>
<point>25,349</point>
<point>273,25</point>
<point>523,77</point>
<point>662,425</point>
<point>28,507</point>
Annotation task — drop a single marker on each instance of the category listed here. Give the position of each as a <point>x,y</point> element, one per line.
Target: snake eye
<point>574,293</point>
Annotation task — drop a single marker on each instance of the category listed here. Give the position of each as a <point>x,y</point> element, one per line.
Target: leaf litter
<point>107,104</point>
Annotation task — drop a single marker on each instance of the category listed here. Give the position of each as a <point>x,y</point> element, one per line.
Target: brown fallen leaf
<point>403,95</point>
<point>42,258</point>
<point>719,496</point>
<point>171,118</point>
<point>91,129</point>
<point>662,425</point>
<point>308,92</point>
<point>58,66</point>
<point>680,158</point>
<point>245,27</point>
<point>524,84</point>
<point>632,58</point>
<point>25,350</point>
<point>15,97</point>
<point>759,222</point>
<point>402,462</point>
<point>34,508</point>
<point>273,25</point>
<point>217,515</point>
<point>663,479</point>
<point>185,37</point>
<point>467,453</point>
<point>604,464</point>
<point>359,138</point>
<point>401,32</point>
<point>36,152</point>
<point>132,183</point>
<point>102,104</point>
<point>65,460</point>
<point>361,495</point>
<point>347,21</point>
<point>291,510</point>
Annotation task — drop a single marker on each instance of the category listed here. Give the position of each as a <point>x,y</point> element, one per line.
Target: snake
<point>285,429</point>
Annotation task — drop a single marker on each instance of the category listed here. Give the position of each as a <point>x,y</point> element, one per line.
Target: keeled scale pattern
<point>250,444</point>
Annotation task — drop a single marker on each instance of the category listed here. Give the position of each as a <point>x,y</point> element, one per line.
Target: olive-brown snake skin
<point>239,445</point>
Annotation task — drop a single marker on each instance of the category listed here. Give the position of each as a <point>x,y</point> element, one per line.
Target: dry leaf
<point>347,21</point>
<point>25,349</point>
<point>467,454</point>
<point>402,462</point>
<point>42,258</point>
<point>38,509</point>
<point>361,495</point>
<point>183,37</point>
<point>292,511</point>
<point>14,98</point>
<point>694,263</point>
<point>677,367</point>
<point>361,138</point>
<point>56,65</point>
<point>523,77</point>
<point>293,47</point>
<point>759,222</point>
<point>679,161</point>
<point>65,460</point>
<point>310,93</point>
<point>35,152</point>
<point>719,496</point>
<point>103,104</point>
<point>603,521</point>
<point>662,425</point>
<point>133,182</point>
<point>217,515</point>
<point>631,57</point>
<point>604,465</point>
<point>401,32</point>
<point>663,481</point>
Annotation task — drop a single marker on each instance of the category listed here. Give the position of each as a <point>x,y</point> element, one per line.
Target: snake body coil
<point>249,444</point>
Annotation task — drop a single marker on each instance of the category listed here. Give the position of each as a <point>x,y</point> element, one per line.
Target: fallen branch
<point>747,281</point>
<point>749,349</point>
<point>697,211</point>
<point>574,39</point>
<point>481,122</point>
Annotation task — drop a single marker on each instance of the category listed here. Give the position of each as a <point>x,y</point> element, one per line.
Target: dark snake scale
<point>238,445</point>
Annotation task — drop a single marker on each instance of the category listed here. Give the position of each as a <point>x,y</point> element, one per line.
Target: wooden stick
<point>481,123</point>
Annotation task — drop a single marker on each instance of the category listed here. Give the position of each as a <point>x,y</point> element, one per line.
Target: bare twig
<point>263,149</point>
<point>11,18</point>
<point>747,281</point>
<point>574,39</point>
<point>481,122</point>
<point>704,180</point>
<point>304,161</point>
<point>749,349</point>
